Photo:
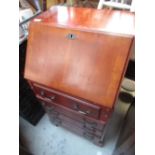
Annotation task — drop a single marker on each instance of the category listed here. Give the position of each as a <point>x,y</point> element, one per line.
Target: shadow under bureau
<point>76,59</point>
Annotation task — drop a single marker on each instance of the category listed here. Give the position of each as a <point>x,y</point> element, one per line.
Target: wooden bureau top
<point>91,65</point>
<point>88,19</point>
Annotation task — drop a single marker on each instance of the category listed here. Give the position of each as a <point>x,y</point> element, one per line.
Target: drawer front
<point>82,133</point>
<point>87,122</point>
<point>77,105</point>
<point>60,120</point>
<point>56,116</point>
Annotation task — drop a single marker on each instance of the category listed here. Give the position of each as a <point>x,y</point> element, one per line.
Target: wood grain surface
<point>89,19</point>
<point>91,65</point>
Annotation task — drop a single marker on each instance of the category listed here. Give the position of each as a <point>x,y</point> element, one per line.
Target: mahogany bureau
<point>76,59</point>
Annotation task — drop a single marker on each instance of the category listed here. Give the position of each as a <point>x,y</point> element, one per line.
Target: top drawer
<point>80,106</point>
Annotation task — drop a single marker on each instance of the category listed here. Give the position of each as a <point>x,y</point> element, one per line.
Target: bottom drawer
<point>63,121</point>
<point>82,133</point>
<point>55,115</point>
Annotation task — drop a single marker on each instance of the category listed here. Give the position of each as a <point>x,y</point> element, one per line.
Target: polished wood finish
<point>80,106</point>
<point>90,122</point>
<point>54,114</point>
<point>76,59</point>
<point>84,126</point>
<point>89,66</point>
<point>88,19</point>
<point>53,96</point>
<point>81,132</point>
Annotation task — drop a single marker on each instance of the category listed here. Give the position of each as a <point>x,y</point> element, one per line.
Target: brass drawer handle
<point>77,108</point>
<point>51,97</point>
<point>83,112</point>
<point>42,93</point>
